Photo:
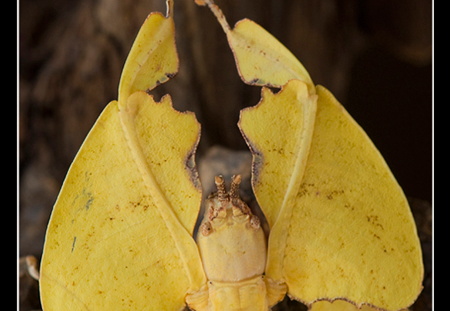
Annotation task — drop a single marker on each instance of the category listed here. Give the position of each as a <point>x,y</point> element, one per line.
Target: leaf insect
<point>120,235</point>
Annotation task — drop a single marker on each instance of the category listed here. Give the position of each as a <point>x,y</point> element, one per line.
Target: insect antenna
<point>234,190</point>
<point>221,190</point>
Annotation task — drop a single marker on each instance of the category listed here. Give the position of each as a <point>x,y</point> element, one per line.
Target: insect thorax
<point>233,250</point>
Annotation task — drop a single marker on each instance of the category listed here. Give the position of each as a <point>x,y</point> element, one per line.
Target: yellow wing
<point>264,61</point>
<point>120,234</point>
<point>277,157</point>
<point>343,228</point>
<point>153,57</point>
<point>260,58</point>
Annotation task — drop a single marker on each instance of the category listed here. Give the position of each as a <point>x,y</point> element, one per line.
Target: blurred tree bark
<point>72,53</point>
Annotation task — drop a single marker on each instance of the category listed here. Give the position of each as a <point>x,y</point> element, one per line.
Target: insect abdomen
<point>246,295</point>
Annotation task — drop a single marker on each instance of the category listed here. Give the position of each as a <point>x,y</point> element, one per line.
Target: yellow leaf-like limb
<point>260,58</point>
<point>347,232</point>
<point>280,143</point>
<point>117,238</point>
<point>153,57</point>
<point>163,144</point>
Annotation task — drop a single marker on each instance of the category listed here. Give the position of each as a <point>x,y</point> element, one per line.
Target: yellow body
<point>245,295</point>
<point>233,250</point>
<point>234,257</point>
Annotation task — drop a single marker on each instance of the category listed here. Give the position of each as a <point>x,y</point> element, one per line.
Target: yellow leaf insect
<point>120,236</point>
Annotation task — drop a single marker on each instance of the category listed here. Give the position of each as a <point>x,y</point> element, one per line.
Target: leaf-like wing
<point>119,237</point>
<point>261,59</point>
<point>344,229</point>
<point>152,59</point>
<point>279,143</point>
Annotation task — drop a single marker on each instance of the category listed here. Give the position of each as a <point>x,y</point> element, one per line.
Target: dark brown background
<point>374,55</point>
